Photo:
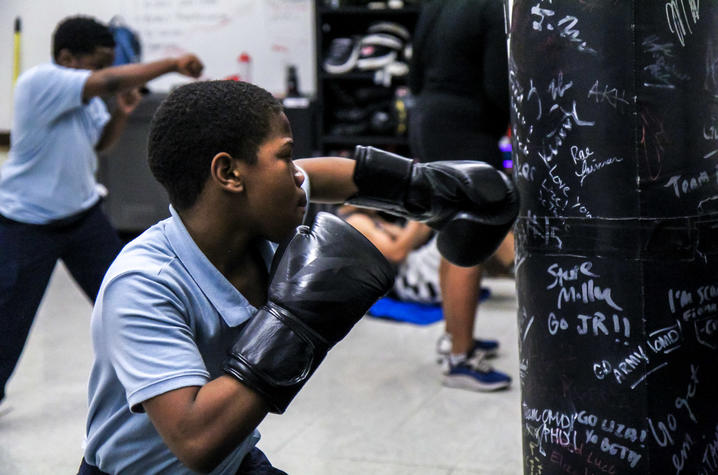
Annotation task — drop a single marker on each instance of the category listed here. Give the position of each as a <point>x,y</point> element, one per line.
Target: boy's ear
<point>64,57</point>
<point>225,173</point>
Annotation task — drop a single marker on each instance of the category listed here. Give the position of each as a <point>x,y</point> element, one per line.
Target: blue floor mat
<point>412,312</point>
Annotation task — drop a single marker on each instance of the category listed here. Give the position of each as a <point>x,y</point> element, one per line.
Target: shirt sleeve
<point>150,344</point>
<point>52,91</point>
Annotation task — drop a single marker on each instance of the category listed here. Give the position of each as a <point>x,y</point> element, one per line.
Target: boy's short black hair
<point>199,120</point>
<point>80,35</point>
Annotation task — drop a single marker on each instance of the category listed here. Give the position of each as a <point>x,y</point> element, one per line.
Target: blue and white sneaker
<point>377,50</point>
<point>489,348</point>
<point>342,55</point>
<point>475,374</point>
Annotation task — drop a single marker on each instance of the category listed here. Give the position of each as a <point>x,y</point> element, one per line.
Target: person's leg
<point>460,287</point>
<point>505,253</point>
<point>465,367</point>
<point>91,247</point>
<point>501,264</point>
<point>27,257</point>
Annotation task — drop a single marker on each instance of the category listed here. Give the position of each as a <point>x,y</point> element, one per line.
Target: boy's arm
<point>127,101</point>
<point>280,347</point>
<point>323,280</point>
<point>331,178</point>
<point>115,79</point>
<point>203,425</point>
<point>144,331</point>
<point>470,203</point>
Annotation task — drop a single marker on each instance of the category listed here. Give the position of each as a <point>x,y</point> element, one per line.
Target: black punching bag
<point>615,139</point>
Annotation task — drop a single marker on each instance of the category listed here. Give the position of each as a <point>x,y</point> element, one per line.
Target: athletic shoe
<point>342,55</point>
<point>358,114</point>
<point>340,96</point>
<point>346,129</point>
<point>382,123</point>
<point>487,348</point>
<point>351,114</point>
<point>384,75</point>
<point>377,50</point>
<point>408,52</point>
<point>373,94</point>
<point>391,28</point>
<point>475,374</point>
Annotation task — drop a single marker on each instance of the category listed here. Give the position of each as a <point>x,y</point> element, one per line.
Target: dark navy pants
<point>86,243</point>
<point>254,463</point>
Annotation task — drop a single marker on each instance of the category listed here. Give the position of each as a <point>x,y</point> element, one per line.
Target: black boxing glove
<point>323,280</point>
<point>470,203</point>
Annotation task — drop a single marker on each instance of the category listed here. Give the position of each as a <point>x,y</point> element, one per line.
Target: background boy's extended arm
<point>128,76</point>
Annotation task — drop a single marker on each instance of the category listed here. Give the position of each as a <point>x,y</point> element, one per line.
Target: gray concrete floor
<point>375,406</point>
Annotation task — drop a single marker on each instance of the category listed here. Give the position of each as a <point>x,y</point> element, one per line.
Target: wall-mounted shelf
<point>361,89</point>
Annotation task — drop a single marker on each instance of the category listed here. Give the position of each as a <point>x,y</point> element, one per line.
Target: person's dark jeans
<point>86,244</point>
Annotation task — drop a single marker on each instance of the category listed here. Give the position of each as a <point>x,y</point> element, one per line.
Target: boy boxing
<point>50,205</point>
<point>202,326</point>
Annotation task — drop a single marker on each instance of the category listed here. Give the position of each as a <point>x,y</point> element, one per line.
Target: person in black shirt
<point>459,75</point>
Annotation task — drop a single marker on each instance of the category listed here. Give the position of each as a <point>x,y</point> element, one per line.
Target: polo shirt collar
<point>234,308</point>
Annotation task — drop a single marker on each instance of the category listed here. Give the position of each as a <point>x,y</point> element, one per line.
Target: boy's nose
<point>298,176</point>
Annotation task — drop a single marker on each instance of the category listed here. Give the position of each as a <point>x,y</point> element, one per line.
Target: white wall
<point>274,32</point>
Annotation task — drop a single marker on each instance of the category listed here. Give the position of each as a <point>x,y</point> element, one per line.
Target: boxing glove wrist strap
<point>381,177</point>
<point>275,355</point>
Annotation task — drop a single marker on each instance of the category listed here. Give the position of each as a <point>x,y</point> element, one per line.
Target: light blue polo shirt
<point>164,319</point>
<point>50,170</point>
